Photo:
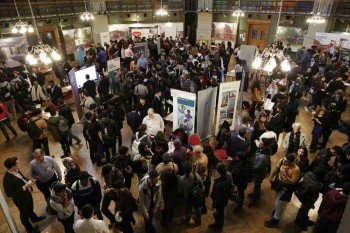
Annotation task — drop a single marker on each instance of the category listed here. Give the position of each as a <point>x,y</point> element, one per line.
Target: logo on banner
<point>136,33</point>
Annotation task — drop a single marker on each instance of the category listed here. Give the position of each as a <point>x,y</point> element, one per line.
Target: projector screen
<point>80,75</point>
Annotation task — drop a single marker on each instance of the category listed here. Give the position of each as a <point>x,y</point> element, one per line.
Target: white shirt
<point>154,124</point>
<point>90,226</point>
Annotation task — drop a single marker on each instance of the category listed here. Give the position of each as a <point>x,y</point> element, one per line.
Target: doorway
<point>258,33</point>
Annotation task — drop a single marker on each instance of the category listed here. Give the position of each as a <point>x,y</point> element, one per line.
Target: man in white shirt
<point>89,224</point>
<point>154,122</point>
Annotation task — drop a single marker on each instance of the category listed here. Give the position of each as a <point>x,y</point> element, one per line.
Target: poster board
<point>184,110</point>
<point>113,64</point>
<point>223,31</point>
<point>206,111</point>
<point>80,75</point>
<point>329,41</point>
<point>227,104</point>
<point>13,51</point>
<point>75,38</point>
<point>75,92</point>
<point>291,35</point>
<point>140,48</point>
<point>104,38</point>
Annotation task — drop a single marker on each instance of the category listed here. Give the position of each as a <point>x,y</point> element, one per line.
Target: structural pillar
<point>205,20</point>
<point>98,25</point>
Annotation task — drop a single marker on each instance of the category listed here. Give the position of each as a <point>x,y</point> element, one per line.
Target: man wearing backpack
<point>109,131</point>
<point>66,112</point>
<point>36,129</point>
<point>150,195</point>
<point>4,121</point>
<point>220,195</point>
<point>87,190</point>
<point>58,125</point>
<point>189,85</point>
<point>186,187</point>
<point>60,204</point>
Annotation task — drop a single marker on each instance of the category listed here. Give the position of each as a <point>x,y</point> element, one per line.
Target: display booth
<point>227,104</point>
<point>206,111</point>
<point>184,110</point>
<point>329,41</point>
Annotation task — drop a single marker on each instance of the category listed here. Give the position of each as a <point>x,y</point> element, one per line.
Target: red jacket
<point>333,206</point>
<point>3,115</point>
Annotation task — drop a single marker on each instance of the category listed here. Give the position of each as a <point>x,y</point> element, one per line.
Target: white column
<point>204,24</point>
<point>99,24</point>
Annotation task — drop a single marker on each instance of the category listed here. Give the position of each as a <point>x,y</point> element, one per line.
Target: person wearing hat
<point>61,201</point>
<point>220,195</point>
<point>168,171</point>
<point>157,103</point>
<point>150,195</point>
<point>87,190</point>
<point>282,180</point>
<point>110,174</point>
<point>126,206</point>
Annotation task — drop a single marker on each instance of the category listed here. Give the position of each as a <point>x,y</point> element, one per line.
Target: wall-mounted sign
<point>136,33</point>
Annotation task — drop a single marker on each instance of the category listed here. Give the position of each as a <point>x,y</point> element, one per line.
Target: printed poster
<point>227,104</point>
<point>224,32</point>
<point>291,35</point>
<point>206,111</point>
<point>184,114</point>
<point>329,41</point>
<point>113,64</point>
<point>13,51</point>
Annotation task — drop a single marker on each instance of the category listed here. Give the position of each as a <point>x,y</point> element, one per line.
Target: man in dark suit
<point>36,75</point>
<point>157,103</point>
<point>90,87</point>
<point>237,143</point>
<point>19,188</point>
<point>55,92</point>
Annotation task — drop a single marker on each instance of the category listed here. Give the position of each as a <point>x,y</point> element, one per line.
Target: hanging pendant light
<point>21,26</point>
<point>161,11</point>
<point>238,12</point>
<point>42,52</point>
<point>86,15</point>
<point>317,18</point>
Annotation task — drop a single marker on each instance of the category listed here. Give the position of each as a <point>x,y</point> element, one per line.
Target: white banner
<point>227,104</point>
<point>113,64</point>
<point>206,112</point>
<point>104,38</point>
<point>184,110</point>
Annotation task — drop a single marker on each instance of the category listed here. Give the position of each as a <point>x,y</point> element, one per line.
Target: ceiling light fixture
<point>86,15</point>
<point>238,12</point>
<point>21,26</point>
<point>161,11</point>
<point>316,18</point>
<point>41,52</point>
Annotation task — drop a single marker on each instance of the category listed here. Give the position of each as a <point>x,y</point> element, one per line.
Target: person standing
<point>154,122</point>
<point>220,195</point>
<point>157,103</point>
<point>282,180</point>
<point>45,170</point>
<point>4,121</point>
<point>150,195</point>
<point>260,167</point>
<point>55,92</point>
<point>41,128</point>
<point>37,94</point>
<point>123,162</point>
<point>66,112</point>
<point>133,120</point>
<point>38,76</point>
<point>89,224</point>
<point>125,207</point>
<point>129,56</point>
<point>53,125</point>
<point>201,168</point>
<point>61,201</point>
<point>87,190</point>
<point>19,188</point>
<point>90,87</point>
<point>142,62</point>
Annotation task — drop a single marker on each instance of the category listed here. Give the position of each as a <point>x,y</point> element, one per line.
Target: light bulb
<point>14,30</point>
<point>242,14</point>
<point>42,56</point>
<point>92,17</point>
<point>29,57</point>
<point>82,17</point>
<point>30,29</point>
<point>22,30</point>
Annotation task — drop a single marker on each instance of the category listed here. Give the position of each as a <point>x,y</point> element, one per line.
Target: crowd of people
<point>168,169</point>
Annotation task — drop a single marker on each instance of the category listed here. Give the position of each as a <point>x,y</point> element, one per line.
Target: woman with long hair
<point>318,93</point>
<point>317,130</point>
<point>255,95</point>
<point>259,129</point>
<point>301,160</point>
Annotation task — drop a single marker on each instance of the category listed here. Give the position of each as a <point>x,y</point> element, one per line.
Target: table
<point>66,89</point>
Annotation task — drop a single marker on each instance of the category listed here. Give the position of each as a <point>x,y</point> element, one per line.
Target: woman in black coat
<point>278,121</point>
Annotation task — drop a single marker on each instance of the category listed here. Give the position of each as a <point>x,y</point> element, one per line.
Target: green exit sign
<point>40,25</point>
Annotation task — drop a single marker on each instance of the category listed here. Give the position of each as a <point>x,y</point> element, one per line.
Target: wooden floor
<point>249,220</point>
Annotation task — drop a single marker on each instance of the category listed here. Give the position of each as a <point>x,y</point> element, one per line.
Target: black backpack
<point>196,193</point>
<point>33,130</point>
<point>108,133</point>
<point>169,176</point>
<point>22,122</point>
